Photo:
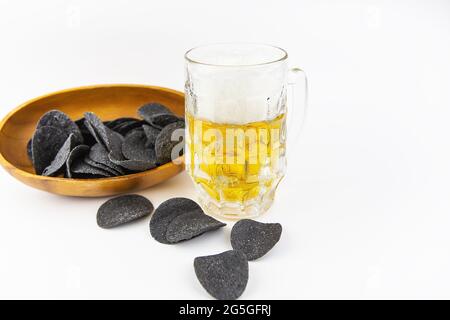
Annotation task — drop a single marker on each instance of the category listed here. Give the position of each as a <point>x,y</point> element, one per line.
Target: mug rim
<point>197,61</point>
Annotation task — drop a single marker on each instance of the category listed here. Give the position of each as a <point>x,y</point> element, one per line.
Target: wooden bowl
<point>108,102</point>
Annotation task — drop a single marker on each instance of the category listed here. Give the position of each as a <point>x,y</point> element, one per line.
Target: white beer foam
<point>238,95</point>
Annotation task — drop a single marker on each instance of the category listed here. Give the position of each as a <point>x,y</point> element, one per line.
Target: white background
<point>365,204</point>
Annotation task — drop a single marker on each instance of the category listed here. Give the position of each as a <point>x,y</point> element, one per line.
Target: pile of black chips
<point>223,275</point>
<point>91,148</point>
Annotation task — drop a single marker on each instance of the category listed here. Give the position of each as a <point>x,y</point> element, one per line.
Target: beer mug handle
<point>298,106</point>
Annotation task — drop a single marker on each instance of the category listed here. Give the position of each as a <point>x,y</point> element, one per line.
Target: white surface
<point>365,205</point>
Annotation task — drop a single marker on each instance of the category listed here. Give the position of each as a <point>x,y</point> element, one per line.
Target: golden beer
<point>236,166</point>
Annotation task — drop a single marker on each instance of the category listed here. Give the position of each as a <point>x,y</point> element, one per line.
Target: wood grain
<point>108,102</point>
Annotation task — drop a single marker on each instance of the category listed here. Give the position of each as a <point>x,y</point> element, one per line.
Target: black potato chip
<point>133,131</point>
<point>151,133</point>
<point>88,138</point>
<point>60,120</point>
<point>78,153</point>
<point>166,140</point>
<point>114,123</point>
<point>79,169</point>
<point>123,209</point>
<point>58,164</point>
<point>255,238</point>
<point>162,120</point>
<point>126,127</point>
<point>224,275</point>
<point>100,155</point>
<point>101,166</point>
<point>190,225</point>
<point>157,114</point>
<point>134,147</point>
<point>110,139</point>
<point>45,145</point>
<point>94,134</point>
<point>132,165</point>
<point>168,211</point>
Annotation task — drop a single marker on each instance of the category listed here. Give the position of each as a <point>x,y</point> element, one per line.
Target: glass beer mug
<point>236,105</point>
